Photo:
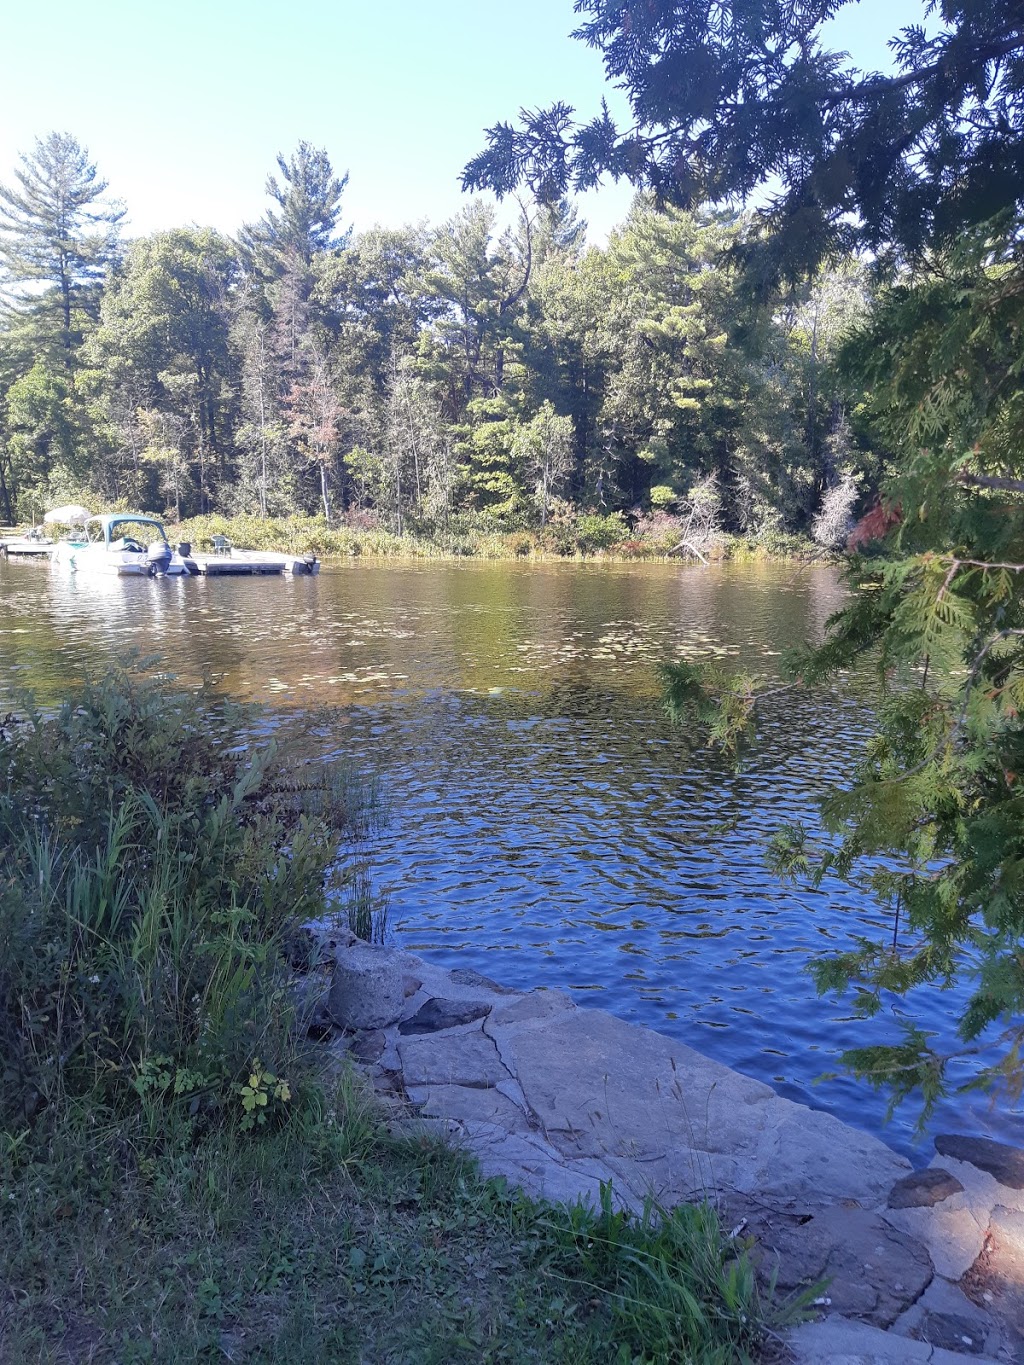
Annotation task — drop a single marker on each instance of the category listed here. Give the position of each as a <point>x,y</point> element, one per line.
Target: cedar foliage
<point>932,821</point>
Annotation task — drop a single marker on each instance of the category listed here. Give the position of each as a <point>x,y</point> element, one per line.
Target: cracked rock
<point>468,1058</point>
<point>1002,1162</point>
<point>876,1271</point>
<point>952,1333</point>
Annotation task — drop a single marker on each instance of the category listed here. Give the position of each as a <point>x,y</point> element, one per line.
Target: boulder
<point>435,1015</point>
<point>368,987</point>
<point>924,1189</point>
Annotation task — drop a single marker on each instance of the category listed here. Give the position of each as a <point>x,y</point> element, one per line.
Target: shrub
<point>154,867</point>
<point>594,531</point>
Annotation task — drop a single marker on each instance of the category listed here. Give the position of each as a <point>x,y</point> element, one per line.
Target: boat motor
<point>159,557</point>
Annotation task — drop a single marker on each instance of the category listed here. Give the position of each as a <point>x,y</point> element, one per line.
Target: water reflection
<point>546,824</point>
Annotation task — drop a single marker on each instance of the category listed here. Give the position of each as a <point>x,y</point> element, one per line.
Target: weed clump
<point>154,862</point>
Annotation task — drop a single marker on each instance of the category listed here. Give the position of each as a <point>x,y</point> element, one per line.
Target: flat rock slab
<point>466,1058</point>
<point>1005,1164</point>
<point>560,1100</point>
<point>529,1161</point>
<point>954,1236</point>
<point>465,1104</point>
<point>875,1271</point>
<point>838,1341</point>
<point>613,1091</point>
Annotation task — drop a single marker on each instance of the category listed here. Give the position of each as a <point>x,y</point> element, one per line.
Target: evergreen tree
<point>749,97</point>
<point>305,223</point>
<point>164,335</point>
<point>56,230</point>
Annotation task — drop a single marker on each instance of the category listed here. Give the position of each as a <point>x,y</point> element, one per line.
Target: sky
<point>185,106</point>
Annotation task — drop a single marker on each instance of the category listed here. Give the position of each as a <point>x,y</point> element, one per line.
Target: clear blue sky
<point>185,105</point>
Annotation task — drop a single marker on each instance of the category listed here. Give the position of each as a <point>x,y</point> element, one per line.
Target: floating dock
<point>21,547</point>
<point>251,562</point>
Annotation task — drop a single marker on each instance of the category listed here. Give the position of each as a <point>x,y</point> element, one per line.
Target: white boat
<point>123,543</point>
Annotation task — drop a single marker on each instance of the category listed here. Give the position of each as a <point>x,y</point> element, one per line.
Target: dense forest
<point>417,378</point>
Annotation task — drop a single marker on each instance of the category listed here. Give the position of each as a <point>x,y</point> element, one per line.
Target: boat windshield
<point>141,531</point>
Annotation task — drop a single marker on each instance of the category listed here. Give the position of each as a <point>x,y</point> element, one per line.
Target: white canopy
<point>68,516</point>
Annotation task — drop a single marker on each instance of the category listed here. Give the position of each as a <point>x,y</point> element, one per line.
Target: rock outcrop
<point>561,1100</point>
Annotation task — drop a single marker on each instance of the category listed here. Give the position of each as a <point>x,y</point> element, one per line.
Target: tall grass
<point>573,536</point>
<point>154,863</point>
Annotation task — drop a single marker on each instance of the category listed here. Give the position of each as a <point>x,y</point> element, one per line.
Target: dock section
<point>24,547</point>
<point>251,562</point>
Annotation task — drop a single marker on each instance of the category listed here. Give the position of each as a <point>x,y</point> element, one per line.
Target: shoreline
<point>298,535</point>
<point>561,1101</point>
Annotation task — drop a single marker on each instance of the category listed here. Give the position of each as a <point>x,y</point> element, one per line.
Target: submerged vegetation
<point>185,1175</point>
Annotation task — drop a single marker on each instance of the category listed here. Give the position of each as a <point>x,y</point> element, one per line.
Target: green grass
<point>327,1240</point>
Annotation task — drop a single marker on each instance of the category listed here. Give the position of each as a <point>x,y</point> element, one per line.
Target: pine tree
<point>56,229</point>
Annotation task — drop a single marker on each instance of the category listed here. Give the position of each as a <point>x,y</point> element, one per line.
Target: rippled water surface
<point>545,824</point>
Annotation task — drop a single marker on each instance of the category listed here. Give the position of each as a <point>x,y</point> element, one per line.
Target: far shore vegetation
<point>419,378</point>
<point>567,536</point>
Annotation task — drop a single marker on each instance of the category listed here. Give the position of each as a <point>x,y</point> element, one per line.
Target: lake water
<point>545,824</point>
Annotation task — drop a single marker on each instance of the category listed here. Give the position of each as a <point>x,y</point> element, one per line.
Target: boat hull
<point>97,559</point>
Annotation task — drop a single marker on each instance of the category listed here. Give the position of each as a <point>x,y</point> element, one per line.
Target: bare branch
<point>990,481</point>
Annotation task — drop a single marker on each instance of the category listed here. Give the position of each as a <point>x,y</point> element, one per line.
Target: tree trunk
<point>323,493</point>
<point>65,302</point>
<point>5,496</point>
